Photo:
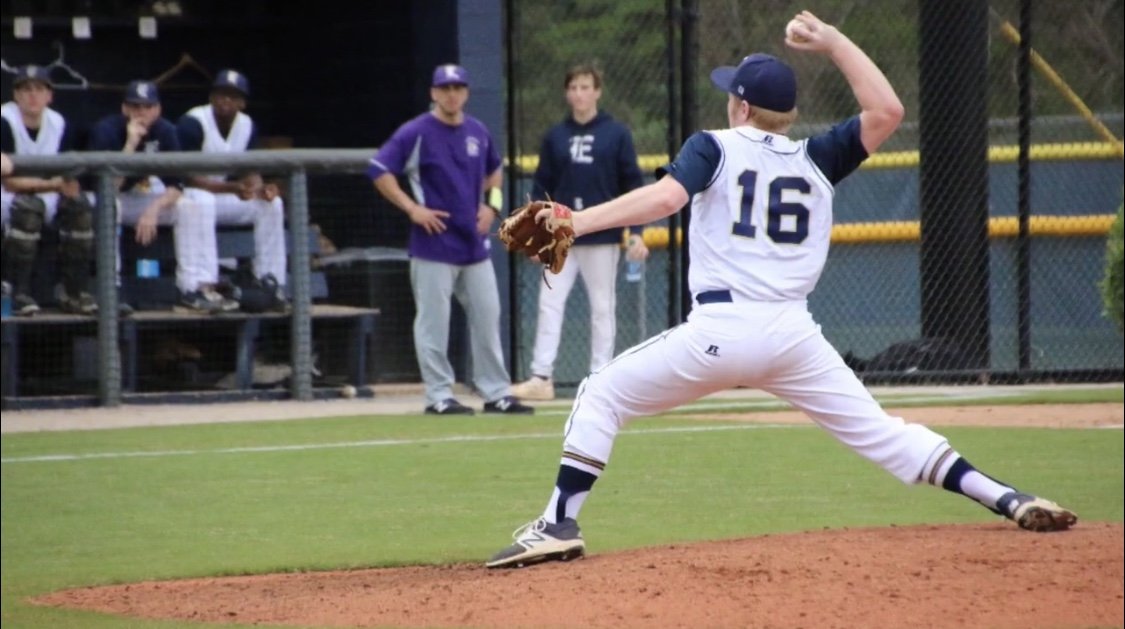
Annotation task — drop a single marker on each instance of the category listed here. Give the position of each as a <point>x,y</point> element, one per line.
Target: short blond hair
<point>772,121</point>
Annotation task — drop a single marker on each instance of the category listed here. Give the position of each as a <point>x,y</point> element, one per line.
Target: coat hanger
<point>185,63</point>
<point>73,79</point>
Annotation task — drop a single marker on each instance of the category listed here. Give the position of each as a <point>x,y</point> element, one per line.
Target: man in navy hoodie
<point>586,159</point>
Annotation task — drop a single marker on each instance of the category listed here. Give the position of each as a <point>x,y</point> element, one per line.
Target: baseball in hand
<point>792,33</point>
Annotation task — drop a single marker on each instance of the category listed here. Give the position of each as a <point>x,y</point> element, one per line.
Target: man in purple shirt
<point>449,159</point>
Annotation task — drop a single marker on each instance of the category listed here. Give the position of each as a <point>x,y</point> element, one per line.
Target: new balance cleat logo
<point>540,541</point>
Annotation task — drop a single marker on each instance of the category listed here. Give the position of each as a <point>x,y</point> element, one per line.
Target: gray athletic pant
<point>474,286</point>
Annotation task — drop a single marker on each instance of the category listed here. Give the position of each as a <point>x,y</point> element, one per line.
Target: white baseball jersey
<point>762,228</point>
<point>48,138</point>
<point>46,142</point>
<point>236,141</point>
<point>267,217</point>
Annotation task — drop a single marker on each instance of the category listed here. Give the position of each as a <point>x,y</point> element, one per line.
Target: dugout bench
<point>156,295</point>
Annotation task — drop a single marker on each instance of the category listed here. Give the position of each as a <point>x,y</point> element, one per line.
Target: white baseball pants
<point>772,346</point>
<point>50,199</point>
<point>193,228</point>
<point>268,219</point>
<point>597,265</point>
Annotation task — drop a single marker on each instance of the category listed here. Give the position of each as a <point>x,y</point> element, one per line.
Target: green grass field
<point>114,506</point>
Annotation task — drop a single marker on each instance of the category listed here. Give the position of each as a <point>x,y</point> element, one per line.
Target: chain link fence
<point>952,259</point>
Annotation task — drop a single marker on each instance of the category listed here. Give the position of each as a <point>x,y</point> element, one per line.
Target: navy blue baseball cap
<point>142,93</point>
<point>761,80</point>
<point>32,73</point>
<point>450,74</point>
<point>232,79</point>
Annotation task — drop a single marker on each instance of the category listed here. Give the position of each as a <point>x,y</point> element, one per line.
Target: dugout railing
<point>295,165</point>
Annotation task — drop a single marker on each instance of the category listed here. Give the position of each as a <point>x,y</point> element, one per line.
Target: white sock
<point>982,488</point>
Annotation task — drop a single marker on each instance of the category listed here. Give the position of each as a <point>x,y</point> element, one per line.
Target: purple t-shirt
<point>446,167</point>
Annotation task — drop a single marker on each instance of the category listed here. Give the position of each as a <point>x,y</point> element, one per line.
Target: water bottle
<point>7,303</point>
<point>148,268</point>
<point>634,270</point>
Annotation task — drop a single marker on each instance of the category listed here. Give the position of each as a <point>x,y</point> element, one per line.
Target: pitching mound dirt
<point>989,576</point>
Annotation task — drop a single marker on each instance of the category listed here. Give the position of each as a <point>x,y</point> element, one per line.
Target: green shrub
<point>1114,261</point>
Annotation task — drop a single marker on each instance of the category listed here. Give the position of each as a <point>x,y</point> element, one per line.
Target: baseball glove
<point>547,241</point>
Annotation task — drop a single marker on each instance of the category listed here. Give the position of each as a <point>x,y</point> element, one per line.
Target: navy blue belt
<point>714,297</point>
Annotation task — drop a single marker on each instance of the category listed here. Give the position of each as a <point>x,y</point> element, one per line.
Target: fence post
<point>953,175</point>
<point>109,353</point>
<point>299,265</point>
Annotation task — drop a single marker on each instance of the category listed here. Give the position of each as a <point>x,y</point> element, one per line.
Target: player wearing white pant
<point>597,264</point>
<point>28,126</point>
<point>221,127</point>
<point>759,236</point>
<point>148,202</point>
<point>586,159</point>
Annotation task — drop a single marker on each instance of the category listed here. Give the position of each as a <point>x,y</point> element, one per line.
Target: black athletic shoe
<point>448,406</point>
<point>508,405</point>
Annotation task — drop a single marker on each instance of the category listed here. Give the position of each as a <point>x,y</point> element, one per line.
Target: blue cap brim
<point>723,76</point>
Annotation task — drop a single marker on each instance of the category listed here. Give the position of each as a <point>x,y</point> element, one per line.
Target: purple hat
<point>232,79</point>
<point>33,73</point>
<point>761,80</point>
<point>142,93</point>
<point>450,74</point>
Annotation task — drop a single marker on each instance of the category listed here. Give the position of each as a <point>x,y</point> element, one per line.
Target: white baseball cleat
<point>1035,514</point>
<point>540,540</point>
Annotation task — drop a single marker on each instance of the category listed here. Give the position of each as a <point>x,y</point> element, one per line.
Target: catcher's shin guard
<point>21,243</point>
<point>75,222</point>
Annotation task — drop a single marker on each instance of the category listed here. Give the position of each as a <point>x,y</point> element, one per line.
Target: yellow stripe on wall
<point>910,159</point>
<point>911,231</point>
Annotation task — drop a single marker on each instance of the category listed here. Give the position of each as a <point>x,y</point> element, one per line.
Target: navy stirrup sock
<point>571,481</point>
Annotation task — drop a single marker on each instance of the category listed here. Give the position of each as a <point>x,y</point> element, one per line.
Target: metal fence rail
<point>293,164</point>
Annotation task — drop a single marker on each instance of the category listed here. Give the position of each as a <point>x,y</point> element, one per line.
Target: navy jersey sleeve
<point>66,142</point>
<point>697,163</point>
<point>189,132</point>
<point>254,142</point>
<point>108,135</point>
<point>838,151</point>
<point>544,180</point>
<point>7,140</point>
<point>164,132</point>
<point>628,169</point>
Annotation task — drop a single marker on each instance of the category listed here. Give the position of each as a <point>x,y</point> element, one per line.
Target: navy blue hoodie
<point>581,165</point>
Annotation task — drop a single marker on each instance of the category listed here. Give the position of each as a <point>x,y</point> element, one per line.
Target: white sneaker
<point>535,388</point>
<point>1035,514</point>
<point>539,541</point>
